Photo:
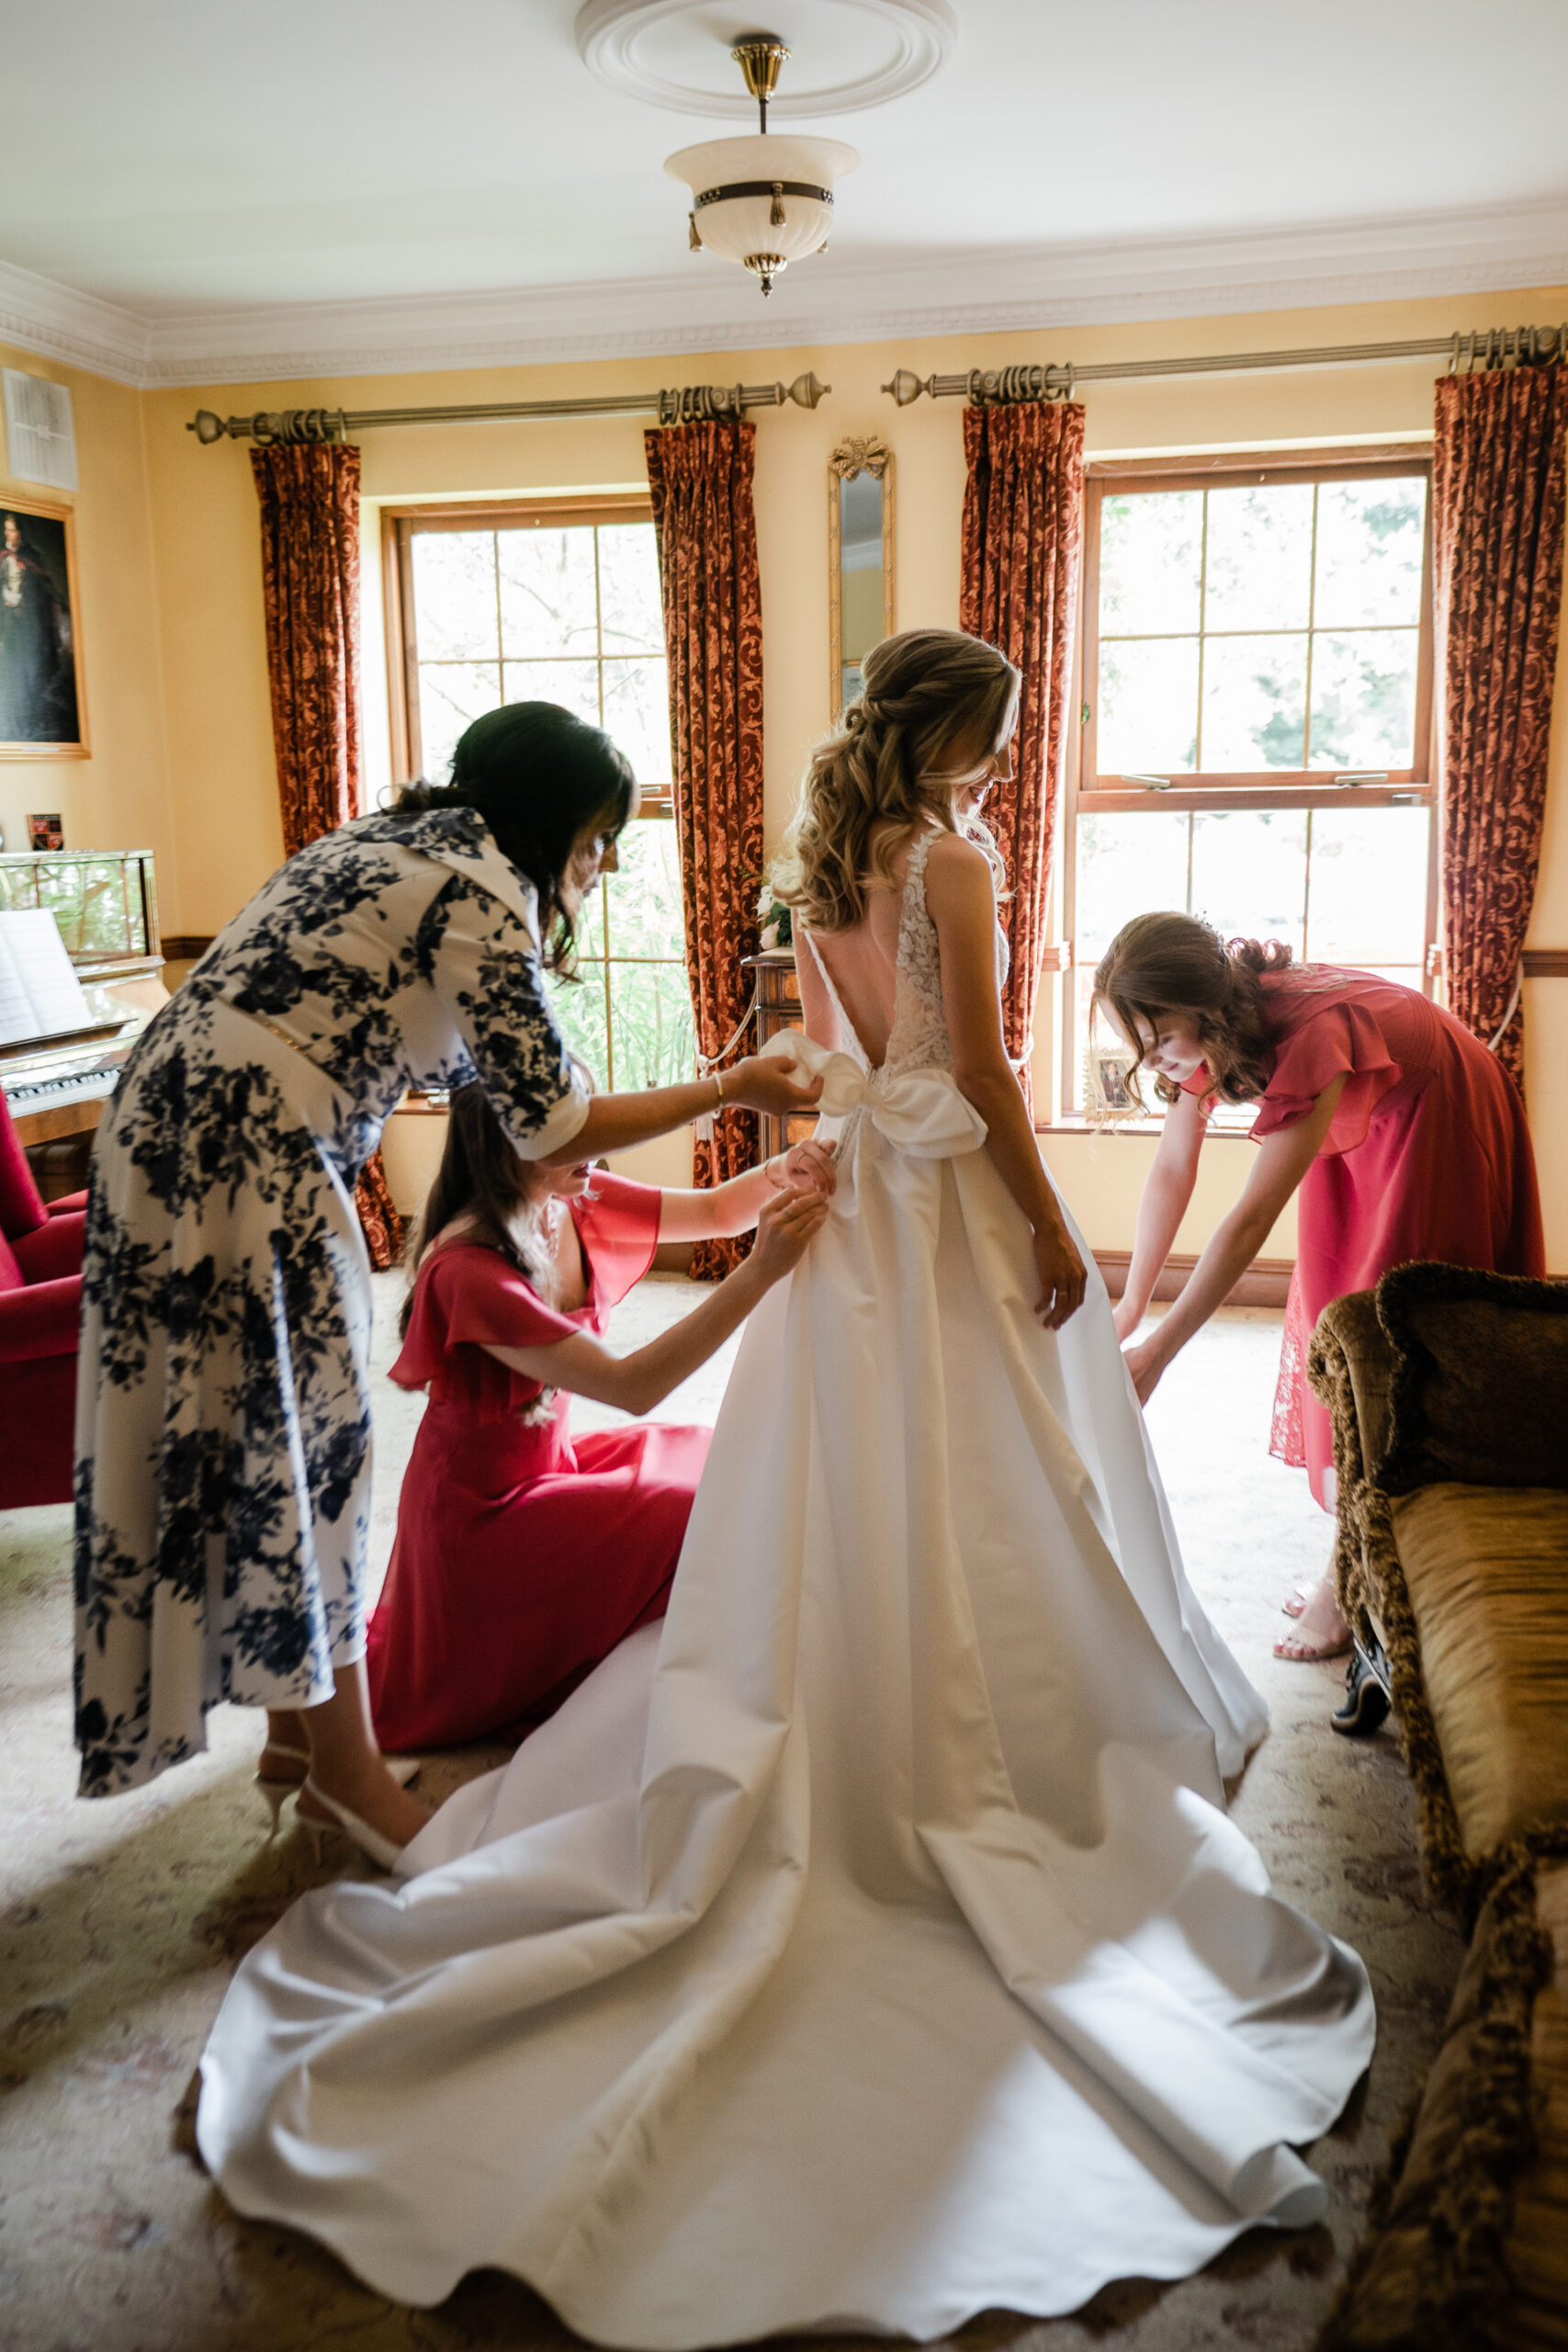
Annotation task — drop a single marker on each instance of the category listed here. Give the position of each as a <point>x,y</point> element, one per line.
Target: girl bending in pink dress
<point>524,1555</point>
<point>1404,1135</point>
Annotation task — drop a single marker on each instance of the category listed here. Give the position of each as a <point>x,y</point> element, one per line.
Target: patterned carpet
<point>121,1921</point>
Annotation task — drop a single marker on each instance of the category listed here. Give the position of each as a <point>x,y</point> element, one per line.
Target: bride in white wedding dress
<point>867,1945</point>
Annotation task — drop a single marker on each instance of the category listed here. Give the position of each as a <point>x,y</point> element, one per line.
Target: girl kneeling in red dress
<point>524,1557</point>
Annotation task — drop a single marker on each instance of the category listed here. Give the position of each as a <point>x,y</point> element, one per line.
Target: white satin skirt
<point>867,1945</point>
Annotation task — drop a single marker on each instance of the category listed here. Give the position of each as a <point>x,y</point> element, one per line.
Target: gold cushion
<point>1486,1568</point>
<point>1538,2244</point>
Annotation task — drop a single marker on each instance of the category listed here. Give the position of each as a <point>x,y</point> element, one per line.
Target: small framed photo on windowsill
<point>46,833</point>
<point>1106,1090</point>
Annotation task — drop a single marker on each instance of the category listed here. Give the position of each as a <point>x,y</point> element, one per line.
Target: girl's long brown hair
<point>1164,964</point>
<point>887,766</point>
<point>480,1175</point>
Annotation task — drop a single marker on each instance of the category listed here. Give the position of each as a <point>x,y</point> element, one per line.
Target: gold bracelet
<point>718,1089</point>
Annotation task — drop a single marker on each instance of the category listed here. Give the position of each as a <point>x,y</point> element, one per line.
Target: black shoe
<point>1365,1700</point>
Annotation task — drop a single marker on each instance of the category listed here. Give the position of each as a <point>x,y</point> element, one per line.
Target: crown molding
<point>38,314</point>
<point>846,298</point>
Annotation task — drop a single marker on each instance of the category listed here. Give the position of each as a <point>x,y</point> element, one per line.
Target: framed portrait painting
<point>43,710</point>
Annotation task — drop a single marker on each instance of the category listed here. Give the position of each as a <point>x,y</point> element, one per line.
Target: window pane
<point>1363,699</point>
<point>589,938</point>
<point>645,895</point>
<point>1369,551</point>
<point>1258,573</point>
<point>452,695</point>
<point>1253,702</point>
<point>1128,865</point>
<point>1148,707</point>
<point>655,1040</point>
<point>629,611</point>
<point>1149,548</point>
<point>579,1009</point>
<point>636,717</point>
<point>454,595</point>
<point>548,602</point>
<point>573,685</point>
<point>1368,902</point>
<point>1250,873</point>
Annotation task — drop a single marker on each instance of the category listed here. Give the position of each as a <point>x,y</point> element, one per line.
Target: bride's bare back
<point>863,963</point>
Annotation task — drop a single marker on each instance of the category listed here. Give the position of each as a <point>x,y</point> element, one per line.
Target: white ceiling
<point>451,182</point>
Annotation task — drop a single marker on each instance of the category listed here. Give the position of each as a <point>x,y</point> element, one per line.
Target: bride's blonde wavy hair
<point>887,765</point>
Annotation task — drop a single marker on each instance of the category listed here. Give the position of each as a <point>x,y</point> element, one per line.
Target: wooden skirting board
<point>1265,1284</point>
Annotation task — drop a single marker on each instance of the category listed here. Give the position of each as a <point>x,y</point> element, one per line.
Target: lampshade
<point>763,201</point>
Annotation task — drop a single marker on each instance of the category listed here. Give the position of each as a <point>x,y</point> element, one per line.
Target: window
<point>559,605</point>
<point>1256,714</point>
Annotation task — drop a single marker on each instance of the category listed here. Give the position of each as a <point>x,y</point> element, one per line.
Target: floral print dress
<point>224,1416</point>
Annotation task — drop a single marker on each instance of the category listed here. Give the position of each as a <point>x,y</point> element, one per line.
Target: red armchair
<point>40,1307</point>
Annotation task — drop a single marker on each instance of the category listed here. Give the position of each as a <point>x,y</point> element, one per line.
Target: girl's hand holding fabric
<point>785,1230</point>
<point>1062,1276</point>
<point>805,1165</point>
<point>770,1082</point>
<point>1146,1364</point>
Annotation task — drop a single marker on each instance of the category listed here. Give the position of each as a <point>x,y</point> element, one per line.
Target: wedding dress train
<point>867,1945</point>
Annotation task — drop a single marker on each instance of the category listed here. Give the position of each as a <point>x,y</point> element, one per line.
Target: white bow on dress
<point>918,1109</point>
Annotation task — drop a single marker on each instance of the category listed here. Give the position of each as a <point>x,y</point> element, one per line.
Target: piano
<point>56,1087</point>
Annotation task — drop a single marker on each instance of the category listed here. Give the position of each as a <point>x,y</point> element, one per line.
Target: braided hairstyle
<point>890,765</point>
<point>1164,964</point>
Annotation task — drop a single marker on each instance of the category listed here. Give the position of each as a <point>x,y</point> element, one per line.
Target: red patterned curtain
<point>310,517</point>
<point>1022,527</point>
<point>700,479</point>
<point>1497,533</point>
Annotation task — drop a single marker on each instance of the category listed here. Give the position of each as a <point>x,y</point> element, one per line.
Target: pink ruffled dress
<point>1429,1157</point>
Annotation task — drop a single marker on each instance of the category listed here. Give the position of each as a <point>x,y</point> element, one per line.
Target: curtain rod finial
<point>806,391</point>
<point>207,428</point>
<point>906,387</point>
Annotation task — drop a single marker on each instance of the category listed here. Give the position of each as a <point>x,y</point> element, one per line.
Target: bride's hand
<point>1062,1276</point>
<point>790,1222</point>
<point>770,1082</point>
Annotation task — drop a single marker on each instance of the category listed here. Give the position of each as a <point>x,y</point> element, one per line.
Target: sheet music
<point>40,995</point>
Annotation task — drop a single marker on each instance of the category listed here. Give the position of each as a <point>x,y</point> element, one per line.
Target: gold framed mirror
<point>860,560</point>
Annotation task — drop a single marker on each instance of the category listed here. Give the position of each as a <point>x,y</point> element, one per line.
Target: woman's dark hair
<point>480,1173</point>
<point>540,776</point>
<point>1161,963</point>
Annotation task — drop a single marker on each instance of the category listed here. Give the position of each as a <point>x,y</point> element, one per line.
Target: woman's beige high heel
<point>274,1791</point>
<point>369,1841</point>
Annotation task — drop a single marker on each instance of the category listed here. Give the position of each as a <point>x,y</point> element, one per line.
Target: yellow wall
<point>119,797</point>
<point>173,530</point>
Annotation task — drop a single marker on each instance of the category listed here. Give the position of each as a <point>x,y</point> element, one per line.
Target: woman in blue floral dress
<point>223,1415</point>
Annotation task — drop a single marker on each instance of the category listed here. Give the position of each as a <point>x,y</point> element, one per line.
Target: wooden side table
<point>778,1007</point>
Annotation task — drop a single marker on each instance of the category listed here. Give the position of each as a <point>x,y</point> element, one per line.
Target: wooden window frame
<point>1305,789</point>
<point>401,526</point>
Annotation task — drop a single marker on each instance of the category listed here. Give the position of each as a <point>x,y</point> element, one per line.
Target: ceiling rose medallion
<point>763,201</point>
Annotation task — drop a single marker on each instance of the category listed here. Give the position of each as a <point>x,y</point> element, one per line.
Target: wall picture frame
<point>43,701</point>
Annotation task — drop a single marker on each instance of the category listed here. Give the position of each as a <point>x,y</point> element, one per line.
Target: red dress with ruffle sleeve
<point>522,1556</point>
<point>1429,1157</point>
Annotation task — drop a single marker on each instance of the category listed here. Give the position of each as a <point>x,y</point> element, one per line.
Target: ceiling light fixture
<point>763,202</point>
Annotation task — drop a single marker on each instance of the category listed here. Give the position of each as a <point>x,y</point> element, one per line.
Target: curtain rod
<point>686,405</point>
<point>1490,347</point>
